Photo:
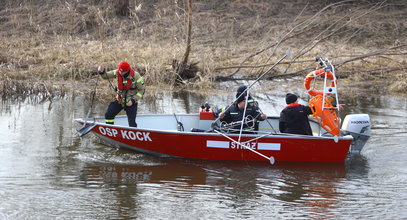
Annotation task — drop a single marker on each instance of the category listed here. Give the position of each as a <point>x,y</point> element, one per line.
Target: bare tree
<point>122,7</point>
<point>183,69</point>
<point>189,31</point>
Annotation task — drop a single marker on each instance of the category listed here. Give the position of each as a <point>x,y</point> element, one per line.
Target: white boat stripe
<point>268,146</point>
<point>260,146</point>
<point>218,144</point>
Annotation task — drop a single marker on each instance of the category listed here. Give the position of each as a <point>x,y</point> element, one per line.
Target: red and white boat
<point>194,136</point>
<point>160,135</point>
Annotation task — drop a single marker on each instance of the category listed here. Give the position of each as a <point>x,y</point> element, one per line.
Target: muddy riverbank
<point>46,44</point>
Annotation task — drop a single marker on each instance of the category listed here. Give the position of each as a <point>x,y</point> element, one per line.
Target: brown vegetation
<point>66,40</point>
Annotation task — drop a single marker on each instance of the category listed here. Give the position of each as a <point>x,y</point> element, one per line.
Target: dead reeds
<point>238,39</point>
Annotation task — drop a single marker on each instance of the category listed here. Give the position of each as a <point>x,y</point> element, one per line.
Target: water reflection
<point>302,180</point>
<point>190,101</point>
<point>117,174</point>
<point>312,185</point>
<point>357,166</point>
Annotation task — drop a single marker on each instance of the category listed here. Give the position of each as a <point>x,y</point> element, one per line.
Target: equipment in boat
<point>327,114</point>
<point>314,74</point>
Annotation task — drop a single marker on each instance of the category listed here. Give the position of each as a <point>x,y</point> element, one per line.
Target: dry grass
<point>66,40</point>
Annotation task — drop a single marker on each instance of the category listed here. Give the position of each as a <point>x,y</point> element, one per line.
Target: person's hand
<point>221,115</point>
<point>263,116</point>
<point>341,106</point>
<point>129,103</point>
<point>101,70</point>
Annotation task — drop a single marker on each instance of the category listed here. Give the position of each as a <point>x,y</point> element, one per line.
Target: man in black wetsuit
<point>235,112</point>
<point>294,117</point>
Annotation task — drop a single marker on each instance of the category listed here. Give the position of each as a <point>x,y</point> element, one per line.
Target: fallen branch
<point>375,53</point>
<point>325,34</point>
<point>335,27</point>
<point>382,52</point>
<point>260,65</point>
<point>374,72</point>
<point>342,74</point>
<point>302,28</point>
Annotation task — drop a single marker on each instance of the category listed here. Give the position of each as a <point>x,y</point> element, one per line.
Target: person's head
<point>290,98</point>
<point>240,90</point>
<point>123,68</point>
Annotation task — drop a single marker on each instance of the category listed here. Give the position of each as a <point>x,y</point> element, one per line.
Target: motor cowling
<point>359,126</point>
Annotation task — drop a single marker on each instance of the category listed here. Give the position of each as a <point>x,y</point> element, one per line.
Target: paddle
<point>86,129</point>
<point>270,159</point>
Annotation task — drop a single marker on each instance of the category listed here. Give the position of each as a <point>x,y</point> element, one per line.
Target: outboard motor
<point>357,125</point>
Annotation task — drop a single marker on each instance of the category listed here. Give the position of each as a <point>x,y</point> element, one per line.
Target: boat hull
<point>201,145</point>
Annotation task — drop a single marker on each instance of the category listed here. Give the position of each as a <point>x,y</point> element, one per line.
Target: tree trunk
<point>122,7</point>
<point>184,61</point>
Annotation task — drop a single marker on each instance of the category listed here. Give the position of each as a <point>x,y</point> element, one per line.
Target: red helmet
<point>124,66</point>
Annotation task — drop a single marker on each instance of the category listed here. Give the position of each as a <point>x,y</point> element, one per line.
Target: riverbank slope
<point>51,46</point>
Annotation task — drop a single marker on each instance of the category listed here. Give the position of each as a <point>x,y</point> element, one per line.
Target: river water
<point>48,172</point>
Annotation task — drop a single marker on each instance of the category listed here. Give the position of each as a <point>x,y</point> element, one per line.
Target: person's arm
<point>225,116</point>
<point>139,82</point>
<point>110,74</point>
<point>282,127</point>
<point>260,116</point>
<point>308,110</point>
<point>281,123</point>
<point>256,113</point>
<point>104,74</point>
